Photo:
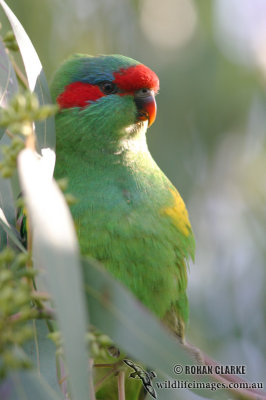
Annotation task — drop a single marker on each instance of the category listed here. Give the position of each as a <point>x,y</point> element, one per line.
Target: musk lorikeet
<point>128,216</point>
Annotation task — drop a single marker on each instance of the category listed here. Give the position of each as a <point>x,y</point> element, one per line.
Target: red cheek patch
<point>135,78</point>
<point>78,94</point>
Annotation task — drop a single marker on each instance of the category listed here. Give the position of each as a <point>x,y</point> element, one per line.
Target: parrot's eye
<point>108,87</point>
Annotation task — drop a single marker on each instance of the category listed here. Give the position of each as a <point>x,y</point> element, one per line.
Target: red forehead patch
<point>78,94</point>
<point>135,78</point>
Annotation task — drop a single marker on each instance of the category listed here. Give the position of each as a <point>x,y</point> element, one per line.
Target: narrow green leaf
<point>55,251</point>
<point>8,80</point>
<point>27,385</point>
<point>9,191</point>
<point>7,211</point>
<point>41,352</point>
<point>45,130</point>
<point>8,87</point>
<point>10,235</point>
<point>116,312</point>
<point>7,206</point>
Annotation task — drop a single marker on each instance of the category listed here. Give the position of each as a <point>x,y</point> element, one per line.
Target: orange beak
<point>147,108</point>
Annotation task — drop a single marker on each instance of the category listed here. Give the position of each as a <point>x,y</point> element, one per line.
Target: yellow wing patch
<point>178,213</point>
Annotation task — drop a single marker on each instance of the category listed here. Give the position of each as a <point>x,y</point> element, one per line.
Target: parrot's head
<point>112,93</point>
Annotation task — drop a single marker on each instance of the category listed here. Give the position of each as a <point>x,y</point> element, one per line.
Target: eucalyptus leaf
<point>8,80</point>
<point>26,385</point>
<point>7,211</point>
<point>9,234</point>
<point>41,351</point>
<point>7,205</point>
<point>9,191</point>
<point>55,251</point>
<point>116,312</point>
<point>45,130</point>
<point>8,87</point>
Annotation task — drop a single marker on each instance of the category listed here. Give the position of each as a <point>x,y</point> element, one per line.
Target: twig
<point>239,393</point>
<point>41,295</point>
<point>121,385</point>
<point>30,140</point>
<point>20,75</point>
<point>110,373</point>
<point>62,382</point>
<point>103,379</point>
<point>10,134</point>
<point>92,390</point>
<point>112,365</point>
<point>43,313</point>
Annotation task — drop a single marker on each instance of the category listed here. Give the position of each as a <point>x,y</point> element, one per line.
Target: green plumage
<point>128,212</point>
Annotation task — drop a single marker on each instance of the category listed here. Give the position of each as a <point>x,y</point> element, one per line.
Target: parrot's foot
<point>194,351</point>
<point>177,325</point>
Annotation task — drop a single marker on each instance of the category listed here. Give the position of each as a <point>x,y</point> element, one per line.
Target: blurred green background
<point>209,138</point>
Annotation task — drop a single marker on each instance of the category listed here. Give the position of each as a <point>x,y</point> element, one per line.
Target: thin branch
<point>104,378</point>
<point>45,296</point>
<point>121,385</point>
<point>21,77</point>
<point>92,390</point>
<point>242,392</point>
<point>10,134</point>
<point>43,313</point>
<point>112,365</point>
<point>62,382</point>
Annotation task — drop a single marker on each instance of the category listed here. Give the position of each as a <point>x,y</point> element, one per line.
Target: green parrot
<point>128,216</point>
